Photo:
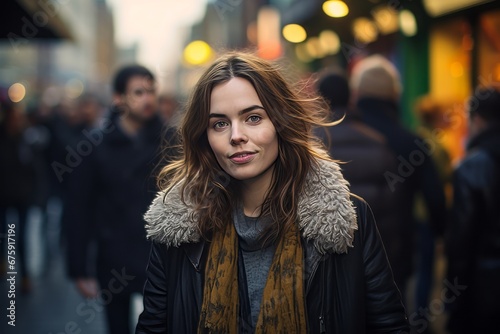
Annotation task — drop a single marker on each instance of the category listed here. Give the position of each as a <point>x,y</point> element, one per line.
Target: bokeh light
<point>294,33</point>
<point>407,23</point>
<point>197,53</point>
<point>364,30</point>
<point>17,92</point>
<point>330,42</point>
<point>335,8</point>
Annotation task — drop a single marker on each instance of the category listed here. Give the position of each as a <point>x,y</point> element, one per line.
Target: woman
<point>255,230</point>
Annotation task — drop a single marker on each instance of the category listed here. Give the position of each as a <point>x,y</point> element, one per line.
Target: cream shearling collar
<point>326,214</point>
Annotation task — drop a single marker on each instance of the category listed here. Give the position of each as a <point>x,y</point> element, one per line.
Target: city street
<point>53,306</point>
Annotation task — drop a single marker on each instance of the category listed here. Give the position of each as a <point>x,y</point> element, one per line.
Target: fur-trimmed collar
<point>326,214</point>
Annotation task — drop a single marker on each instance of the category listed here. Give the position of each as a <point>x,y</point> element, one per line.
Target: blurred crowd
<point>425,205</point>
<point>40,146</point>
<point>32,140</point>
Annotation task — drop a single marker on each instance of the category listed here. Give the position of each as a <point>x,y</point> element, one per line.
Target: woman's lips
<point>242,158</point>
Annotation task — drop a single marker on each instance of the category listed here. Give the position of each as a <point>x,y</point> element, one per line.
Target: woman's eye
<point>254,118</point>
<point>219,125</point>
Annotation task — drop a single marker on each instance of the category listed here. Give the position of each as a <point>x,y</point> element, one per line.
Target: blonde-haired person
<point>376,89</point>
<point>255,230</point>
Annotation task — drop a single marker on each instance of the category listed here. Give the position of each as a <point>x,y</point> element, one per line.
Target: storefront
<point>464,54</point>
<point>444,49</point>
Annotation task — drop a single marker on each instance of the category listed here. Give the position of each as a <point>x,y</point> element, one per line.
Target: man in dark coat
<point>111,184</point>
<point>356,146</point>
<point>473,234</point>
<point>376,89</point>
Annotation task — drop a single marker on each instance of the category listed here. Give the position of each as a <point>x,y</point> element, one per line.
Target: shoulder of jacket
<point>476,169</point>
<point>327,215</point>
<point>170,220</point>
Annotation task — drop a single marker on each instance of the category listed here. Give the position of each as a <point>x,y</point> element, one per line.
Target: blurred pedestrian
<point>37,136</point>
<point>65,122</point>
<point>433,122</point>
<point>110,185</point>
<point>168,106</point>
<point>473,234</point>
<point>255,229</point>
<point>376,90</point>
<point>356,146</point>
<point>17,186</point>
<point>82,116</point>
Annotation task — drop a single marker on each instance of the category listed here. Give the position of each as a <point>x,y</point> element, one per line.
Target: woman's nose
<point>238,135</point>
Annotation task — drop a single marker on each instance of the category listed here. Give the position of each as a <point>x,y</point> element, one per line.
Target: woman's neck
<point>254,191</point>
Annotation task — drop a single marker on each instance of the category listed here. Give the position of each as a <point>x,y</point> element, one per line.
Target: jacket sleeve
<point>385,312</point>
<point>154,317</point>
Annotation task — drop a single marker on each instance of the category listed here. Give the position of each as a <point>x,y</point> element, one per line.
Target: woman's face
<point>240,133</point>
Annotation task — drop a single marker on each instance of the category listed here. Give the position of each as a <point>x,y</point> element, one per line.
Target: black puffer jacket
<point>412,172</point>
<point>473,238</point>
<point>365,159</point>
<point>351,286</point>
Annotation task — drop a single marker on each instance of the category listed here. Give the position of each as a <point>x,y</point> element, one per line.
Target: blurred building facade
<point>57,49</point>
<point>442,48</point>
<point>226,25</point>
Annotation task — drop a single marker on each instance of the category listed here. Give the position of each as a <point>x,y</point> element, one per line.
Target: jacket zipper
<point>313,272</point>
<point>322,327</point>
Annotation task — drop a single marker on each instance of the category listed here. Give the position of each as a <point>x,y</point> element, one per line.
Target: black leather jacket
<point>348,290</point>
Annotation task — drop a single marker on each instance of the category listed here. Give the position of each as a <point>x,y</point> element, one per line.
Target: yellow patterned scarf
<point>283,304</point>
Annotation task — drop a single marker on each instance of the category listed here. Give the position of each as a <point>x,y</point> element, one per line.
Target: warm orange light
<point>268,33</point>
<point>252,32</point>
<point>302,53</point>
<point>197,53</point>
<point>335,8</point>
<point>330,42</point>
<point>294,33</point>
<point>456,69</point>
<point>497,72</point>
<point>386,19</point>
<point>314,48</point>
<point>17,92</point>
<point>364,30</point>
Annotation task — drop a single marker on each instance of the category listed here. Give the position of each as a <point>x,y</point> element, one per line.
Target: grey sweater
<point>256,260</point>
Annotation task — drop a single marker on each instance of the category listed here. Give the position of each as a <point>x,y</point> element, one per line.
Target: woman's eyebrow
<point>241,112</point>
<point>249,109</point>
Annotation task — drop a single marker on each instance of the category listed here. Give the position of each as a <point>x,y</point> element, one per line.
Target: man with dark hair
<point>334,87</point>
<point>473,234</point>
<point>356,145</point>
<point>110,187</point>
<point>121,79</point>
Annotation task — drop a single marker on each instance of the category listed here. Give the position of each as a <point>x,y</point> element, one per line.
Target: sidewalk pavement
<point>53,306</point>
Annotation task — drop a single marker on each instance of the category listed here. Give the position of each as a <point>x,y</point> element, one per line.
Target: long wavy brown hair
<point>204,184</point>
